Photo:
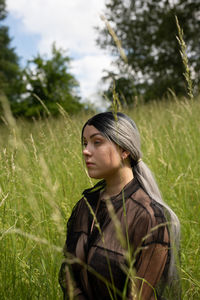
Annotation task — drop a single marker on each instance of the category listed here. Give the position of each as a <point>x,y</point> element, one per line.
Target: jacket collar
<point>91,192</point>
<point>126,192</point>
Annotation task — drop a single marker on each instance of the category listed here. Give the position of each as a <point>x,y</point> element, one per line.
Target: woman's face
<point>103,158</point>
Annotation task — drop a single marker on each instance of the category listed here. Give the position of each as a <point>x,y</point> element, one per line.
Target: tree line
<point>153,66</point>
<point>36,89</point>
<point>147,31</point>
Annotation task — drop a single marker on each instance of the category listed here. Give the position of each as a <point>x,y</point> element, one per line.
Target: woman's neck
<point>115,184</point>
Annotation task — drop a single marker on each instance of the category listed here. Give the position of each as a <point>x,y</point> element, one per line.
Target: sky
<point>35,24</point>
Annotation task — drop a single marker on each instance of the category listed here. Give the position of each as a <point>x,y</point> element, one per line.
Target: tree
<point>122,88</point>
<point>48,82</point>
<point>10,73</point>
<point>147,31</point>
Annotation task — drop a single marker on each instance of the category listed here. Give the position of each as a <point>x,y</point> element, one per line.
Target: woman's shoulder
<point>149,217</point>
<point>78,220</point>
<point>148,213</point>
<point>146,204</point>
<point>147,220</point>
<point>81,210</point>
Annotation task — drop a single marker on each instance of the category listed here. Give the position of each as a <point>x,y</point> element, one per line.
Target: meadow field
<point>42,176</point>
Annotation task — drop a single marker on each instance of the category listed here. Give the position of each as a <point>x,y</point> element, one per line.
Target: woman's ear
<point>124,154</point>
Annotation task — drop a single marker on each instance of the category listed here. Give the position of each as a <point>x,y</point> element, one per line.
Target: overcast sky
<point>36,24</point>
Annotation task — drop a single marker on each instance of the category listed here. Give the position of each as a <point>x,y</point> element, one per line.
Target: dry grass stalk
<point>184,57</point>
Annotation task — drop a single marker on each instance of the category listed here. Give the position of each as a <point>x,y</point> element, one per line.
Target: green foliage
<point>48,83</point>
<point>10,74</point>
<point>2,9</point>
<point>45,83</point>
<point>42,177</point>
<point>124,89</point>
<point>147,31</point>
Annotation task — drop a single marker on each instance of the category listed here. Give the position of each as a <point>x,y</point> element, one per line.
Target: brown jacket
<point>98,263</point>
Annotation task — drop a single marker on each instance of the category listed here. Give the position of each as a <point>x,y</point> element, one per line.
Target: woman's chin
<point>94,176</point>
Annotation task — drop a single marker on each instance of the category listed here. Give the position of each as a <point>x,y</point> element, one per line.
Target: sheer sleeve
<point>152,240</point>
<point>68,284</point>
<point>69,271</point>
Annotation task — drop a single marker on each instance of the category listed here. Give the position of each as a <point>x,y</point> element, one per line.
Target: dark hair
<point>120,129</point>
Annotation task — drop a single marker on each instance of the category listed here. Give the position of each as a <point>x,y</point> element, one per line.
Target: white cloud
<point>70,23</point>
<point>90,69</point>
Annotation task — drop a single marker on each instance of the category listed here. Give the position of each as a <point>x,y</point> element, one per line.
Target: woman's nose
<point>86,151</point>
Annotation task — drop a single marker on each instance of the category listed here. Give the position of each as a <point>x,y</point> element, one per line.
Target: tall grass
<point>42,177</point>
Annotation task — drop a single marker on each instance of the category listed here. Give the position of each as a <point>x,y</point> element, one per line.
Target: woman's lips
<point>89,164</point>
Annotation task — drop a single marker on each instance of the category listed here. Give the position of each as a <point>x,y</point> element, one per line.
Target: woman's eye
<point>97,142</point>
<point>84,144</point>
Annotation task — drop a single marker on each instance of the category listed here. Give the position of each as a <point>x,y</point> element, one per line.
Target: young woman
<point>122,238</point>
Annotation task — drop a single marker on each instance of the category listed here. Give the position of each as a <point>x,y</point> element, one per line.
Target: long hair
<point>122,130</point>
